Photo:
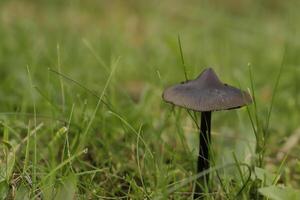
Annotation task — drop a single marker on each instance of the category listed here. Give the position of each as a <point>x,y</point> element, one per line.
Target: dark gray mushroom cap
<point>206,93</point>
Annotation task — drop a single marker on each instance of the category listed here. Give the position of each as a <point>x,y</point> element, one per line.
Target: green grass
<point>81,113</point>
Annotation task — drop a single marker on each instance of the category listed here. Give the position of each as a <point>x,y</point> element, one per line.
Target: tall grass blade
<point>60,78</point>
<point>35,125</point>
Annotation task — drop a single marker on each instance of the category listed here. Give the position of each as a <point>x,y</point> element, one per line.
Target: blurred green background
<point>85,39</point>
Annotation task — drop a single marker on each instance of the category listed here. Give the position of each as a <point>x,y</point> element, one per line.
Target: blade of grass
<point>5,140</point>
<point>101,97</point>
<point>81,86</point>
<point>27,140</point>
<point>254,101</point>
<point>46,98</point>
<point>26,160</point>
<point>180,133</point>
<point>138,162</point>
<point>60,79</point>
<point>15,133</point>
<point>35,125</point>
<point>51,173</point>
<point>133,130</point>
<point>186,77</point>
<point>276,179</point>
<point>91,172</point>
<point>275,89</point>
<point>238,167</point>
<point>66,143</point>
<point>98,58</point>
<point>182,58</point>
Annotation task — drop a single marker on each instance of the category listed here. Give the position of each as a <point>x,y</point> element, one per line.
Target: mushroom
<point>205,94</point>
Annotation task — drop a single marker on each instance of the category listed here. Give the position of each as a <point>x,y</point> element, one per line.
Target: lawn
<point>81,108</point>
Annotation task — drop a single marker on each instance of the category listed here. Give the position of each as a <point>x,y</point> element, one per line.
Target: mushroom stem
<point>203,157</point>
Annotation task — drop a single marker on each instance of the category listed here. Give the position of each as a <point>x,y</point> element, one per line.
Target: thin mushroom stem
<point>203,156</point>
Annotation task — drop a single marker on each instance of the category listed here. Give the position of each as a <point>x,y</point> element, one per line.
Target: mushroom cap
<point>206,93</point>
